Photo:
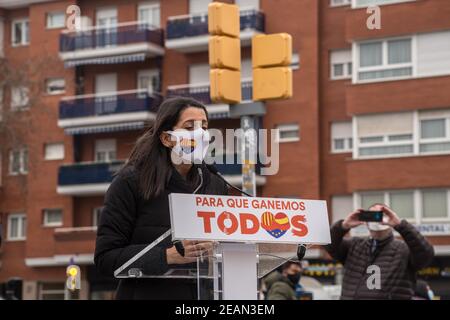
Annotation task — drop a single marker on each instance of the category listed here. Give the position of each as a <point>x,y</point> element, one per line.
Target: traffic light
<point>271,57</point>
<point>224,52</point>
<point>73,281</point>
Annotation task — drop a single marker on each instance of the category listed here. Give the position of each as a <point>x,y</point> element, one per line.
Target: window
<point>17,226</point>
<point>55,85</point>
<point>403,204</point>
<point>385,59</point>
<point>341,64</point>
<point>369,199</point>
<point>18,161</point>
<point>148,80</point>
<point>417,206</point>
<point>435,132</point>
<point>341,137</point>
<point>288,132</point>
<point>96,216</point>
<point>434,203</point>
<point>53,217</point>
<point>381,135</point>
<point>149,15</point>
<point>366,3</point>
<point>341,206</point>
<point>56,20</point>
<point>105,150</point>
<point>20,32</point>
<point>52,291</point>
<point>54,151</point>
<point>337,3</point>
<point>19,97</point>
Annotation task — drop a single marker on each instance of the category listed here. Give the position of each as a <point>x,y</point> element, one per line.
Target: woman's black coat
<point>128,223</point>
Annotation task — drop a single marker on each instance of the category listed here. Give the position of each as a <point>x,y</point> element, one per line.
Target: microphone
<point>301,251</point>
<point>200,173</point>
<point>214,170</point>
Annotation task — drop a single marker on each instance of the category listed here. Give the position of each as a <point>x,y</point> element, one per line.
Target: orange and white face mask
<point>191,146</point>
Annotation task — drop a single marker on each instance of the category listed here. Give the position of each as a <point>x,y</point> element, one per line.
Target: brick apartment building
<point>369,120</point>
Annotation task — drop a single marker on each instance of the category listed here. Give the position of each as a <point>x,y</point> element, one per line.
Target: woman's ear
<point>167,140</point>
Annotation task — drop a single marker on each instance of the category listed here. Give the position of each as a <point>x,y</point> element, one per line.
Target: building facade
<point>369,120</point>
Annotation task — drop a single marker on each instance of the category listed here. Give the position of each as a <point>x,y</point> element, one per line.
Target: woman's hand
<point>192,250</point>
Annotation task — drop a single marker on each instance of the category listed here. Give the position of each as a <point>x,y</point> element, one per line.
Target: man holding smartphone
<point>379,267</point>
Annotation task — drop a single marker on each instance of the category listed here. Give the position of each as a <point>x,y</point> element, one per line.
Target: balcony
<point>201,92</point>
<point>79,240</point>
<point>233,172</point>
<point>91,178</point>
<point>111,111</point>
<point>189,33</point>
<point>125,42</point>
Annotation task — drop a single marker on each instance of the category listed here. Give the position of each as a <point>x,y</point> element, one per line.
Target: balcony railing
<point>120,102</point>
<point>197,25</point>
<point>100,37</point>
<point>235,168</point>
<point>86,178</point>
<point>201,92</point>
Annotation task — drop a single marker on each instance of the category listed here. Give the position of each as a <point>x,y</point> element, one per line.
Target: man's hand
<point>392,218</point>
<point>352,220</point>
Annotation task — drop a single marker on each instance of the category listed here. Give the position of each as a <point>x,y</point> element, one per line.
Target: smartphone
<point>371,216</point>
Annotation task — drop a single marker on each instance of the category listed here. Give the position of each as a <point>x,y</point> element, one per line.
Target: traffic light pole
<point>241,258</point>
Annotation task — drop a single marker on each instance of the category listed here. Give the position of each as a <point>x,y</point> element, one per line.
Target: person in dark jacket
<point>136,208</point>
<point>281,285</point>
<point>379,267</point>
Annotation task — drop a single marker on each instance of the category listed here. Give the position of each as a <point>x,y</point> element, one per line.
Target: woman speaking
<point>136,209</point>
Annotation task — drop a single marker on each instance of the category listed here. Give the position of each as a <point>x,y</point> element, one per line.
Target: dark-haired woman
<point>136,209</point>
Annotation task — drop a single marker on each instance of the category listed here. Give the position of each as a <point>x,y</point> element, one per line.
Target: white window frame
<point>108,158</point>
<point>46,223</point>
<point>356,6</point>
<point>443,219</point>
<point>49,14</point>
<point>384,65</point>
<point>344,3</point>
<point>21,227</point>
<point>445,139</point>
<point>23,21</point>
<point>53,144</point>
<point>385,143</point>
<point>24,98</point>
<point>417,140</point>
<point>149,73</point>
<point>418,203</point>
<point>95,220</point>
<point>347,147</point>
<point>149,5</point>
<point>56,92</point>
<point>22,169</point>
<point>287,127</point>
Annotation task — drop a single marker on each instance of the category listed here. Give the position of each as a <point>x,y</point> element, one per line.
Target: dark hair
<point>149,157</point>
<point>289,263</point>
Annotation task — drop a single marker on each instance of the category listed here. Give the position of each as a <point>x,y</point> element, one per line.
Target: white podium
<point>251,237</point>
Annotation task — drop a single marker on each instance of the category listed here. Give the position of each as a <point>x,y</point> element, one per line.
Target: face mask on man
<point>191,146</point>
<point>294,278</point>
<point>376,226</point>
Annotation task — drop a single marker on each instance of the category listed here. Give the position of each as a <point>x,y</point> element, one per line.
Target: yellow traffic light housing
<point>224,52</point>
<point>225,85</point>
<point>271,57</point>
<point>223,19</point>
<point>272,83</point>
<point>273,50</point>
